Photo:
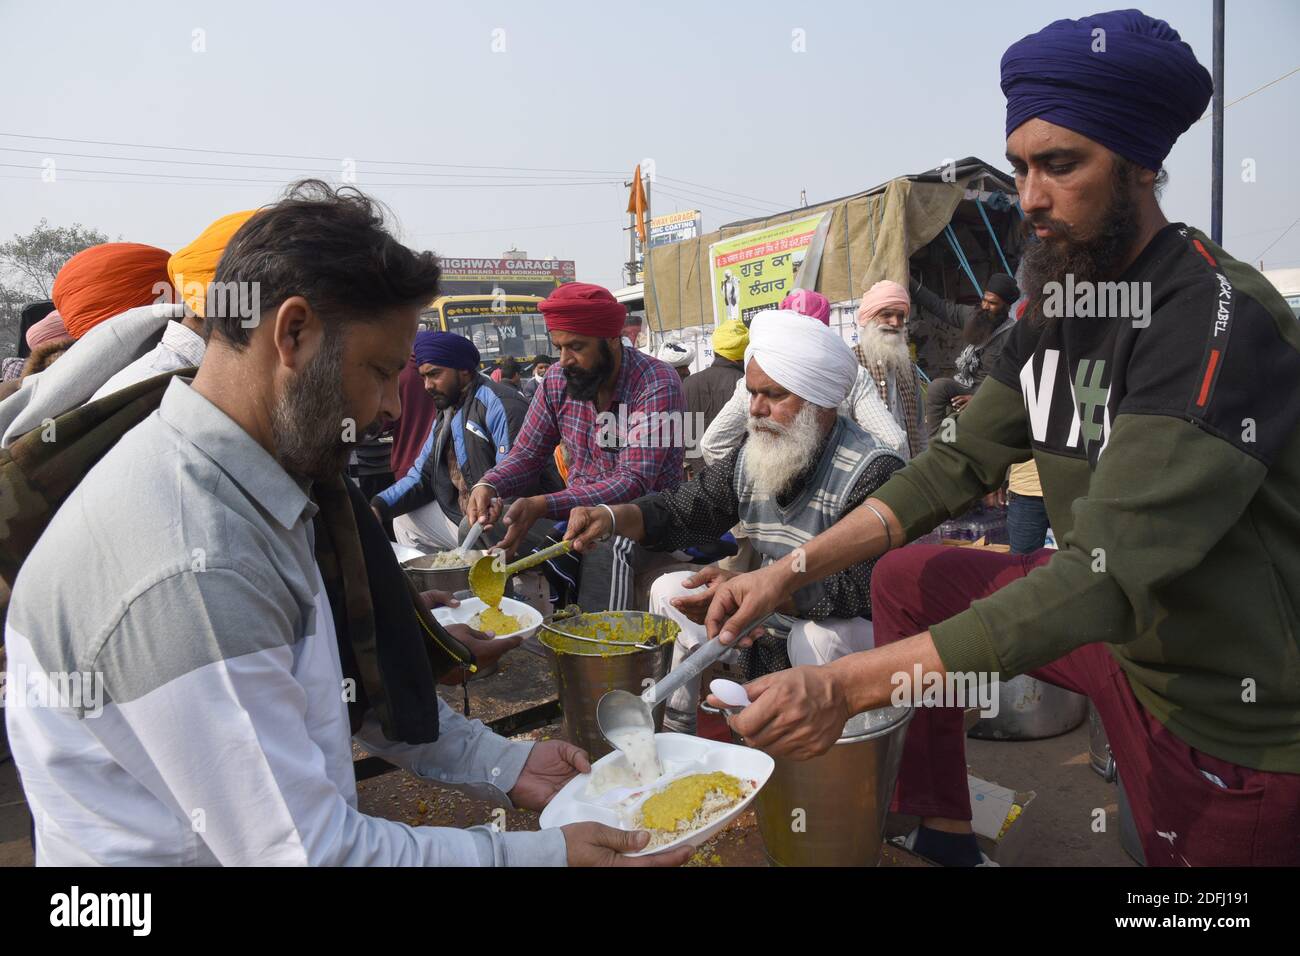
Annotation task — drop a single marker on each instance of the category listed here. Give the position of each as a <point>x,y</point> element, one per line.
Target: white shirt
<point>221,734</point>
<point>180,348</point>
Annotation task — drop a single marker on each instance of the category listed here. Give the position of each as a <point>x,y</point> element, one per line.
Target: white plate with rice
<point>530,618</point>
<point>602,796</point>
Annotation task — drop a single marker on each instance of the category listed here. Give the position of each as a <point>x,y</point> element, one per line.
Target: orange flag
<point>637,203</point>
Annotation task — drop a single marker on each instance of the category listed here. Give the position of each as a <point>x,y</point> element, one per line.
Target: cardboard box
<point>997,816</point>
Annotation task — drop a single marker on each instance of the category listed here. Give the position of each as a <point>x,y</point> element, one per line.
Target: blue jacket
<point>481,429</point>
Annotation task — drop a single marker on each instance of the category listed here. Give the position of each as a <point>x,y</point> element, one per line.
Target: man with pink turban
<point>883,351</point>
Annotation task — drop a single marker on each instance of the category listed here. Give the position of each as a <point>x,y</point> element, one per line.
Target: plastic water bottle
<point>1050,540</point>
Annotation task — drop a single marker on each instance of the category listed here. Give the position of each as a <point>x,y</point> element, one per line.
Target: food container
<point>584,671</point>
<point>1031,709</point>
<point>830,810</point>
<point>530,619</point>
<point>426,578</point>
<point>680,755</point>
<point>1099,756</point>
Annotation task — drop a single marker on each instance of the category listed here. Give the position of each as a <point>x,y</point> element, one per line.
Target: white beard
<point>776,455</point>
<point>885,348</point>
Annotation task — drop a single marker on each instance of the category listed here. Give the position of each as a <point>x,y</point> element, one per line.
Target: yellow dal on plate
<point>495,620</point>
<point>678,802</point>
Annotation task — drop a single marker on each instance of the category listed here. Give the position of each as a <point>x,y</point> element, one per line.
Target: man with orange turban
<point>106,280</point>
<point>189,277</point>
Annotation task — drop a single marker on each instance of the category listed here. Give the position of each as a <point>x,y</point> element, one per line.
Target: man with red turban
<point>621,417</point>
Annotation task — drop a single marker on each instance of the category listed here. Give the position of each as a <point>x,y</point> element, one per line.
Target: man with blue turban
<point>476,426</point>
<point>1152,380</point>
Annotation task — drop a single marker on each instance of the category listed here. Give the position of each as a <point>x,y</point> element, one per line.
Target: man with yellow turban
<point>189,278</point>
<point>708,391</point>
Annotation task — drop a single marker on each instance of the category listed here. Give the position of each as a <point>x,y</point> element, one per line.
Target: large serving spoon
<point>473,536</point>
<point>487,577</point>
<point>618,713</point>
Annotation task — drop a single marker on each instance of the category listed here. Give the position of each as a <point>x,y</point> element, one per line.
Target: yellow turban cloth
<point>192,268</point>
<point>730,339</point>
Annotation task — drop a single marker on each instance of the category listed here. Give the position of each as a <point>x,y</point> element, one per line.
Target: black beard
<point>581,385</point>
<point>443,401</point>
<point>980,327</point>
<point>1099,259</point>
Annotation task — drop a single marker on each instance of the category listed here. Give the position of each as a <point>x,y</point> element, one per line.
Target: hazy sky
<point>737,123</point>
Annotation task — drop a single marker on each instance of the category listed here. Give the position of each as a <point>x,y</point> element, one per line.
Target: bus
<point>499,326</point>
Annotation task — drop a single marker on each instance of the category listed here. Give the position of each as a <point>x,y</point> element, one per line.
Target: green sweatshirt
<point>1169,454</point>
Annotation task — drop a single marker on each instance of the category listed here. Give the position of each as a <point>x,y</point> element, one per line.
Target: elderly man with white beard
<point>882,350</point>
<point>801,467</point>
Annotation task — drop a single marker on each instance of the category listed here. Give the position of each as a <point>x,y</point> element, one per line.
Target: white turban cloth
<point>802,356</point>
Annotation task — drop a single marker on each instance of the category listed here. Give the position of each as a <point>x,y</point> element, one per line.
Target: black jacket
<point>709,390</point>
<point>481,431</point>
<point>974,362</point>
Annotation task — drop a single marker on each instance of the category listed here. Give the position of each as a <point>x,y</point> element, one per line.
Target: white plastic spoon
<point>731,694</point>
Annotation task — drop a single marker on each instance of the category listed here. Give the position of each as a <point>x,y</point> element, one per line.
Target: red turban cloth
<point>585,309</point>
<point>106,280</point>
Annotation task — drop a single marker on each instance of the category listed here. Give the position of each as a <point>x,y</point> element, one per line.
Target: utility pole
<point>647,278</point>
<point>631,245</point>
<point>1216,157</point>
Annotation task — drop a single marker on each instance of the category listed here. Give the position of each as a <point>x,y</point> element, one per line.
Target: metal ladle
<point>489,584</point>
<point>617,710</point>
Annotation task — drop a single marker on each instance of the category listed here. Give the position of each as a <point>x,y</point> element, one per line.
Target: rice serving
<point>447,560</point>
<point>689,804</point>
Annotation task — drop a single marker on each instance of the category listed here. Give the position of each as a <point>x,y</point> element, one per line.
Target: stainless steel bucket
<point>585,672</point>
<point>425,578</point>
<point>1099,756</point>
<point>1030,709</point>
<point>830,810</point>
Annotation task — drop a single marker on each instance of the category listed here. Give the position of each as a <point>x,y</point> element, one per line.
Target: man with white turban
<point>801,467</point>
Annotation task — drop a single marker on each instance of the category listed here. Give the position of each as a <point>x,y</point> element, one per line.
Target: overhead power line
<point>1247,96</point>
<point>325,159</point>
<point>293,169</point>
<point>233,179</point>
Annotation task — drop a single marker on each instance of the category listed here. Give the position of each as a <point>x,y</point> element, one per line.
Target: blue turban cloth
<point>445,349</point>
<point>1135,88</point>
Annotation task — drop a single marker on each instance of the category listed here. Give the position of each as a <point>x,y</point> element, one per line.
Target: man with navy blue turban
<point>1152,380</point>
<point>476,426</point>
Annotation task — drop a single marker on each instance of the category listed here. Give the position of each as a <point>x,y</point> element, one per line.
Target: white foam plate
<point>405,553</point>
<point>680,755</point>
<point>531,617</point>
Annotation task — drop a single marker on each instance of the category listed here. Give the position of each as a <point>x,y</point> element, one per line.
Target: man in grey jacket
<point>984,328</point>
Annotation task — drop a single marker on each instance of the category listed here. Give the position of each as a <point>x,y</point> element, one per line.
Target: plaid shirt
<point>604,466</point>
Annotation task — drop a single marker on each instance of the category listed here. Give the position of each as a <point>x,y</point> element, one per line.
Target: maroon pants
<point>1182,816</point>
